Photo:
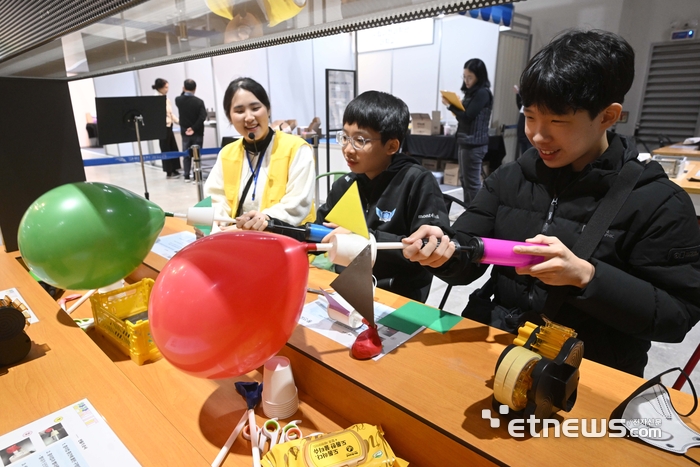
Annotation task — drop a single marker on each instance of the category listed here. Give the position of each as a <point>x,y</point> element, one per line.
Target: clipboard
<point>453,99</point>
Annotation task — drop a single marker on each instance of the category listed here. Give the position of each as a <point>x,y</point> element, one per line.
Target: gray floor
<point>176,195</point>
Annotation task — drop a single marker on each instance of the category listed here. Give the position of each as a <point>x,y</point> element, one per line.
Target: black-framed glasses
<point>357,142</point>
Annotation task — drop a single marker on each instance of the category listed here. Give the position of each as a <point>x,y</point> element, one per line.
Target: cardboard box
<point>431,164</point>
<point>452,174</point>
<point>422,124</point>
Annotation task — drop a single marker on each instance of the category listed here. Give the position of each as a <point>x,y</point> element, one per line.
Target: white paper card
<point>315,317</point>
<point>167,245</point>
<point>74,436</point>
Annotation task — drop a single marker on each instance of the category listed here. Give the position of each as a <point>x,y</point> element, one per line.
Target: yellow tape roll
<point>512,378</point>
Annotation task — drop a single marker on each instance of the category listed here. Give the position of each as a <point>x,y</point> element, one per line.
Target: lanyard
<point>255,172</point>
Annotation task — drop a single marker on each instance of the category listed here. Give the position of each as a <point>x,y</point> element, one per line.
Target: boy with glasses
<point>398,194</point>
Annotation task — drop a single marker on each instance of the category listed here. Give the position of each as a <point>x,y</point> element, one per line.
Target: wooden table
<point>64,366</point>
<point>677,149</point>
<point>693,166</point>
<point>428,395</point>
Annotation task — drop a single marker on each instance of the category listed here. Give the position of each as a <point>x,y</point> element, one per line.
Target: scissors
<point>270,429</point>
<point>291,431</point>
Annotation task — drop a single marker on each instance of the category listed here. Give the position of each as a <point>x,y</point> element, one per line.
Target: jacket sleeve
<point>658,298</point>
<point>298,199</point>
<point>478,220</point>
<point>424,206</point>
<point>198,125</point>
<point>479,101</point>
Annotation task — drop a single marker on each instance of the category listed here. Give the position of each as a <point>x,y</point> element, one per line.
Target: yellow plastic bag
<point>360,445</point>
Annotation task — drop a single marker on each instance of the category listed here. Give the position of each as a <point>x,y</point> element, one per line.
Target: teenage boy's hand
<point>560,267</point>
<point>432,254</point>
<point>252,220</point>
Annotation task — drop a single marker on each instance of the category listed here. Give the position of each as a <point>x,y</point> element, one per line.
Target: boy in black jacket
<point>642,282</point>
<point>398,194</point>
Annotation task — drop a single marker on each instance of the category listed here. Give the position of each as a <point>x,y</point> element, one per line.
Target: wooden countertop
<point>428,395</point>
<point>64,366</point>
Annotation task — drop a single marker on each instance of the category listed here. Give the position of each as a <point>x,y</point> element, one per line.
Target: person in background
<point>192,116</point>
<point>265,174</point>
<point>170,166</point>
<point>523,143</point>
<point>642,282</point>
<point>398,194</point>
<point>473,125</point>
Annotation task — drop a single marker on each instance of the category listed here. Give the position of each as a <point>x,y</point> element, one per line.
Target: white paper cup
<point>278,381</point>
<point>197,215</point>
<point>281,411</point>
<point>346,247</point>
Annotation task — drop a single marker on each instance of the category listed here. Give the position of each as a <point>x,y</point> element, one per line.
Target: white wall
<point>464,38</point>
<point>82,96</point>
<point>332,52</point>
<point>291,88</point>
<point>416,74</point>
<point>640,22</point>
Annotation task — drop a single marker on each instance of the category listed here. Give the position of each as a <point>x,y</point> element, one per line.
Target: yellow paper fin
<point>347,213</point>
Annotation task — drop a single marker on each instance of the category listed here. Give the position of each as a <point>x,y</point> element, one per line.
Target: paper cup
<point>278,381</point>
<point>281,411</point>
<point>346,247</point>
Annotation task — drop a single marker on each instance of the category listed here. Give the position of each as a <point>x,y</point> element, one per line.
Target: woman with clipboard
<point>473,127</point>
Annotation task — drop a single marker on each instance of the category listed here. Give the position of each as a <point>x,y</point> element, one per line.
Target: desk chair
<point>335,175</point>
<point>449,200</point>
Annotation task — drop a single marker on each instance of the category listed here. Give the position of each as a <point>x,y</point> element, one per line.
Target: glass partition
<point>158,32</point>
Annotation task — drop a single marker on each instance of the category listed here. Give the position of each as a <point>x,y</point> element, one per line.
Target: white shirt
<point>294,206</point>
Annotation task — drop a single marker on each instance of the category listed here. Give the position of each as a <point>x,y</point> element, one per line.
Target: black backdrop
<point>39,150</point>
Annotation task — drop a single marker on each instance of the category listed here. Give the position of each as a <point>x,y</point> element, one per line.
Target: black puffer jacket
<point>647,278</point>
<point>406,196</point>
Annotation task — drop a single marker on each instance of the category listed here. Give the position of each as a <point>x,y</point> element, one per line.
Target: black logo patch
<point>684,255</point>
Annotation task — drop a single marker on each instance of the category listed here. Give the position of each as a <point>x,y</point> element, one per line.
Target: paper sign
<point>73,436</point>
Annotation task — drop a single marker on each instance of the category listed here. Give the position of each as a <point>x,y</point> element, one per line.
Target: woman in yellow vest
<point>265,174</point>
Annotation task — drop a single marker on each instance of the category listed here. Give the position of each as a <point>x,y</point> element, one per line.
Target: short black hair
<point>247,84</point>
<point>586,70</point>
<point>386,114</point>
<point>190,85</point>
<point>159,84</point>
<point>478,67</point>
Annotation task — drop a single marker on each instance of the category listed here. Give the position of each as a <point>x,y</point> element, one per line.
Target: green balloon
<point>88,235</point>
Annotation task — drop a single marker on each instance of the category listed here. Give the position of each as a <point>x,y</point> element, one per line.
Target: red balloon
<point>227,303</point>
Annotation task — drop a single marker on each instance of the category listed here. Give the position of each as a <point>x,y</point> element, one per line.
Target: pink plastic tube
<point>500,253</point>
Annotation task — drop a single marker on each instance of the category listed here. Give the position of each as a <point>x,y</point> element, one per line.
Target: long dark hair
<point>248,84</point>
<point>477,67</point>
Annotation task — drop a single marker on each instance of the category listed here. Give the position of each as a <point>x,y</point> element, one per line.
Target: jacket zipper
<point>550,214</point>
<point>545,227</point>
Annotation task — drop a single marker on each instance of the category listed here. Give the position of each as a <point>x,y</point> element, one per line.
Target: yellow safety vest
<point>284,150</point>
<point>282,10</point>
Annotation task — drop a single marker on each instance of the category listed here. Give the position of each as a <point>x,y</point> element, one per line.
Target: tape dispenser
<point>14,342</point>
<point>538,374</point>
